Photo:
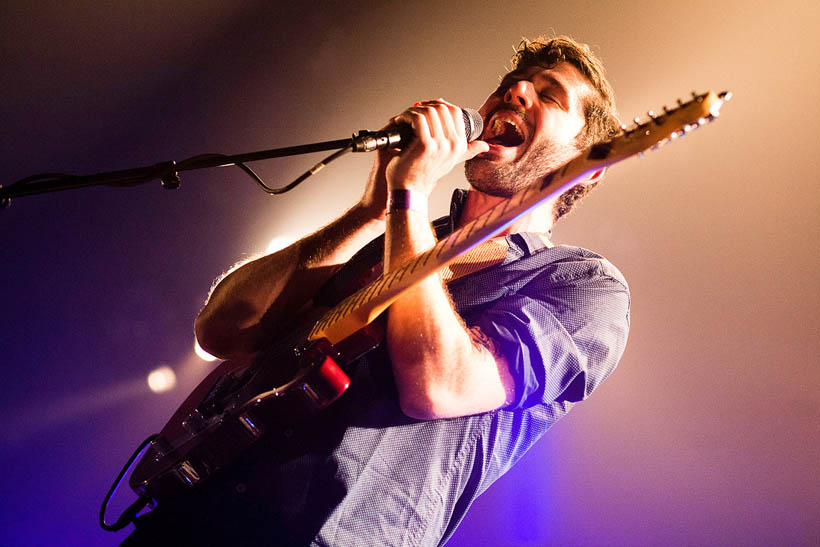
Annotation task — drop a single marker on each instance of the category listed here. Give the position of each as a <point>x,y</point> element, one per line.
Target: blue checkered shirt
<point>363,473</point>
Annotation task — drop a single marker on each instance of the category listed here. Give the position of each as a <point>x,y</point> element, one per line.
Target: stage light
<point>162,379</point>
<point>201,353</point>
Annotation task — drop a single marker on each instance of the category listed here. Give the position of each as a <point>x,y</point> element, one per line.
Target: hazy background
<point>707,434</point>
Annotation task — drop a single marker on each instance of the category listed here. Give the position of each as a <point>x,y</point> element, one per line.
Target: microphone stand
<point>168,171</point>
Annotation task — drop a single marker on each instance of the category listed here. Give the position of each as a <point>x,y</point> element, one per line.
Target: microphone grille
<point>473,124</point>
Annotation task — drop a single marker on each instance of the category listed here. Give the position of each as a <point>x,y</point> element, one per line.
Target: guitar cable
<point>130,513</point>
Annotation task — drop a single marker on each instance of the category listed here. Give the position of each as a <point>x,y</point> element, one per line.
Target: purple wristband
<point>404,200</point>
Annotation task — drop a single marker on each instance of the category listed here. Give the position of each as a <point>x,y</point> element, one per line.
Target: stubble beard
<point>507,179</point>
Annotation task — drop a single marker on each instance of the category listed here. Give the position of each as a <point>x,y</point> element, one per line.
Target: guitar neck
<point>362,307</point>
<point>359,309</point>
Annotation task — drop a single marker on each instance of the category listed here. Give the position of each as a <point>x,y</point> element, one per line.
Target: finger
<point>455,123</point>
<point>437,121</point>
<point>419,122</point>
<point>452,117</point>
<point>475,148</point>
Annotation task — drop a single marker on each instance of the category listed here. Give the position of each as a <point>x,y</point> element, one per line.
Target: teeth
<point>499,126</point>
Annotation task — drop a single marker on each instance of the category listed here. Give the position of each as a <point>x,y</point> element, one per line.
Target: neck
<point>539,219</point>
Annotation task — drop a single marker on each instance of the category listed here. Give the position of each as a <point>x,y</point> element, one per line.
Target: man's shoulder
<point>560,263</point>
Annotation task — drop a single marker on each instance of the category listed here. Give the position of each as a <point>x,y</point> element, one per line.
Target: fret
<point>439,248</point>
<point>401,271</point>
<point>416,262</point>
<point>347,305</point>
<point>375,288</point>
<point>486,217</point>
<point>456,236</point>
<point>427,256</point>
<point>333,314</point>
<point>471,228</point>
<point>368,291</point>
<point>501,210</point>
<point>547,180</point>
<point>392,279</point>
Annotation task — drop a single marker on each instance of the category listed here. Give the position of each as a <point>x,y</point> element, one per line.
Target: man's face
<point>531,123</point>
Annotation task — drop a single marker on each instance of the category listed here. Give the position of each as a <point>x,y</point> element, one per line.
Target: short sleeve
<point>562,333</point>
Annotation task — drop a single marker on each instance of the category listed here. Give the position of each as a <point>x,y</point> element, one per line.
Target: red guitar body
<point>232,407</point>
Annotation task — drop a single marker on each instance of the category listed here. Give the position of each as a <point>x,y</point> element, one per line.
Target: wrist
<point>407,200</point>
<point>369,213</point>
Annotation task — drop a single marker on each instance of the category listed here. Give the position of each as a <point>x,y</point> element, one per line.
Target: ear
<point>593,177</point>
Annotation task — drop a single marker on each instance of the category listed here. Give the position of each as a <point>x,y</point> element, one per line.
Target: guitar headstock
<point>660,129</point>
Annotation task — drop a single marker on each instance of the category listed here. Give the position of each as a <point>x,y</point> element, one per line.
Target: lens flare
<point>162,379</point>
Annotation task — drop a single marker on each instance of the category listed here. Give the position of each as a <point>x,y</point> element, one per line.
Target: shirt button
<point>240,488</point>
<point>288,432</point>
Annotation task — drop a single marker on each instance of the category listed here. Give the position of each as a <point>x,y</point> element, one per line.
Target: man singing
<point>470,373</point>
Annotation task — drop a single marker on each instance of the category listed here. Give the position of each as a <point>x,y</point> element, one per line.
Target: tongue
<point>508,138</point>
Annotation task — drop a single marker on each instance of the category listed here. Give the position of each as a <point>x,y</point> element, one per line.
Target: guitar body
<point>235,404</point>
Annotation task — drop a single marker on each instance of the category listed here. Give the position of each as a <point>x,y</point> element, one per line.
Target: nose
<point>519,93</point>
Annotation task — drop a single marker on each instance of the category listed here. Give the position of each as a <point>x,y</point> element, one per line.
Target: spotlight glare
<point>278,243</point>
<point>201,353</point>
<point>162,379</point>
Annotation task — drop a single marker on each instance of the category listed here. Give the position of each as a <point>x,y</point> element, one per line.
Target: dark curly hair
<point>600,114</point>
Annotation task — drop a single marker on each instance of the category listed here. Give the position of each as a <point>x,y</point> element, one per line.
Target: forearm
<point>441,369</point>
<point>249,302</point>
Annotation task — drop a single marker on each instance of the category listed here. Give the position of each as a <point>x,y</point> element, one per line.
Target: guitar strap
<point>489,253</point>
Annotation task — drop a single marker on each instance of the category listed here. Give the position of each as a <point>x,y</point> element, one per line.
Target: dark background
<point>706,435</point>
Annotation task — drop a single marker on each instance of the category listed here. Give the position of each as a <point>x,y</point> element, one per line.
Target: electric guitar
<point>300,373</point>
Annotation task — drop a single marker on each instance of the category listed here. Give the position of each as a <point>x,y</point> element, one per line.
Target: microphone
<point>398,136</point>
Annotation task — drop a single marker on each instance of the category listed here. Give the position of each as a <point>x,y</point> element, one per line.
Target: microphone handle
<point>398,136</point>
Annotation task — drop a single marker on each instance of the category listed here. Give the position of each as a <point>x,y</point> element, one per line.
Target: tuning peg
<point>665,109</point>
<point>637,120</point>
<point>696,97</point>
<point>680,103</point>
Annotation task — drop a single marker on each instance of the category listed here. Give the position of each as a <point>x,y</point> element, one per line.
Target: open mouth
<point>504,132</point>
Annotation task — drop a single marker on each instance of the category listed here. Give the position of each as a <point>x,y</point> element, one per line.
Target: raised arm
<point>442,369</point>
<point>248,303</point>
